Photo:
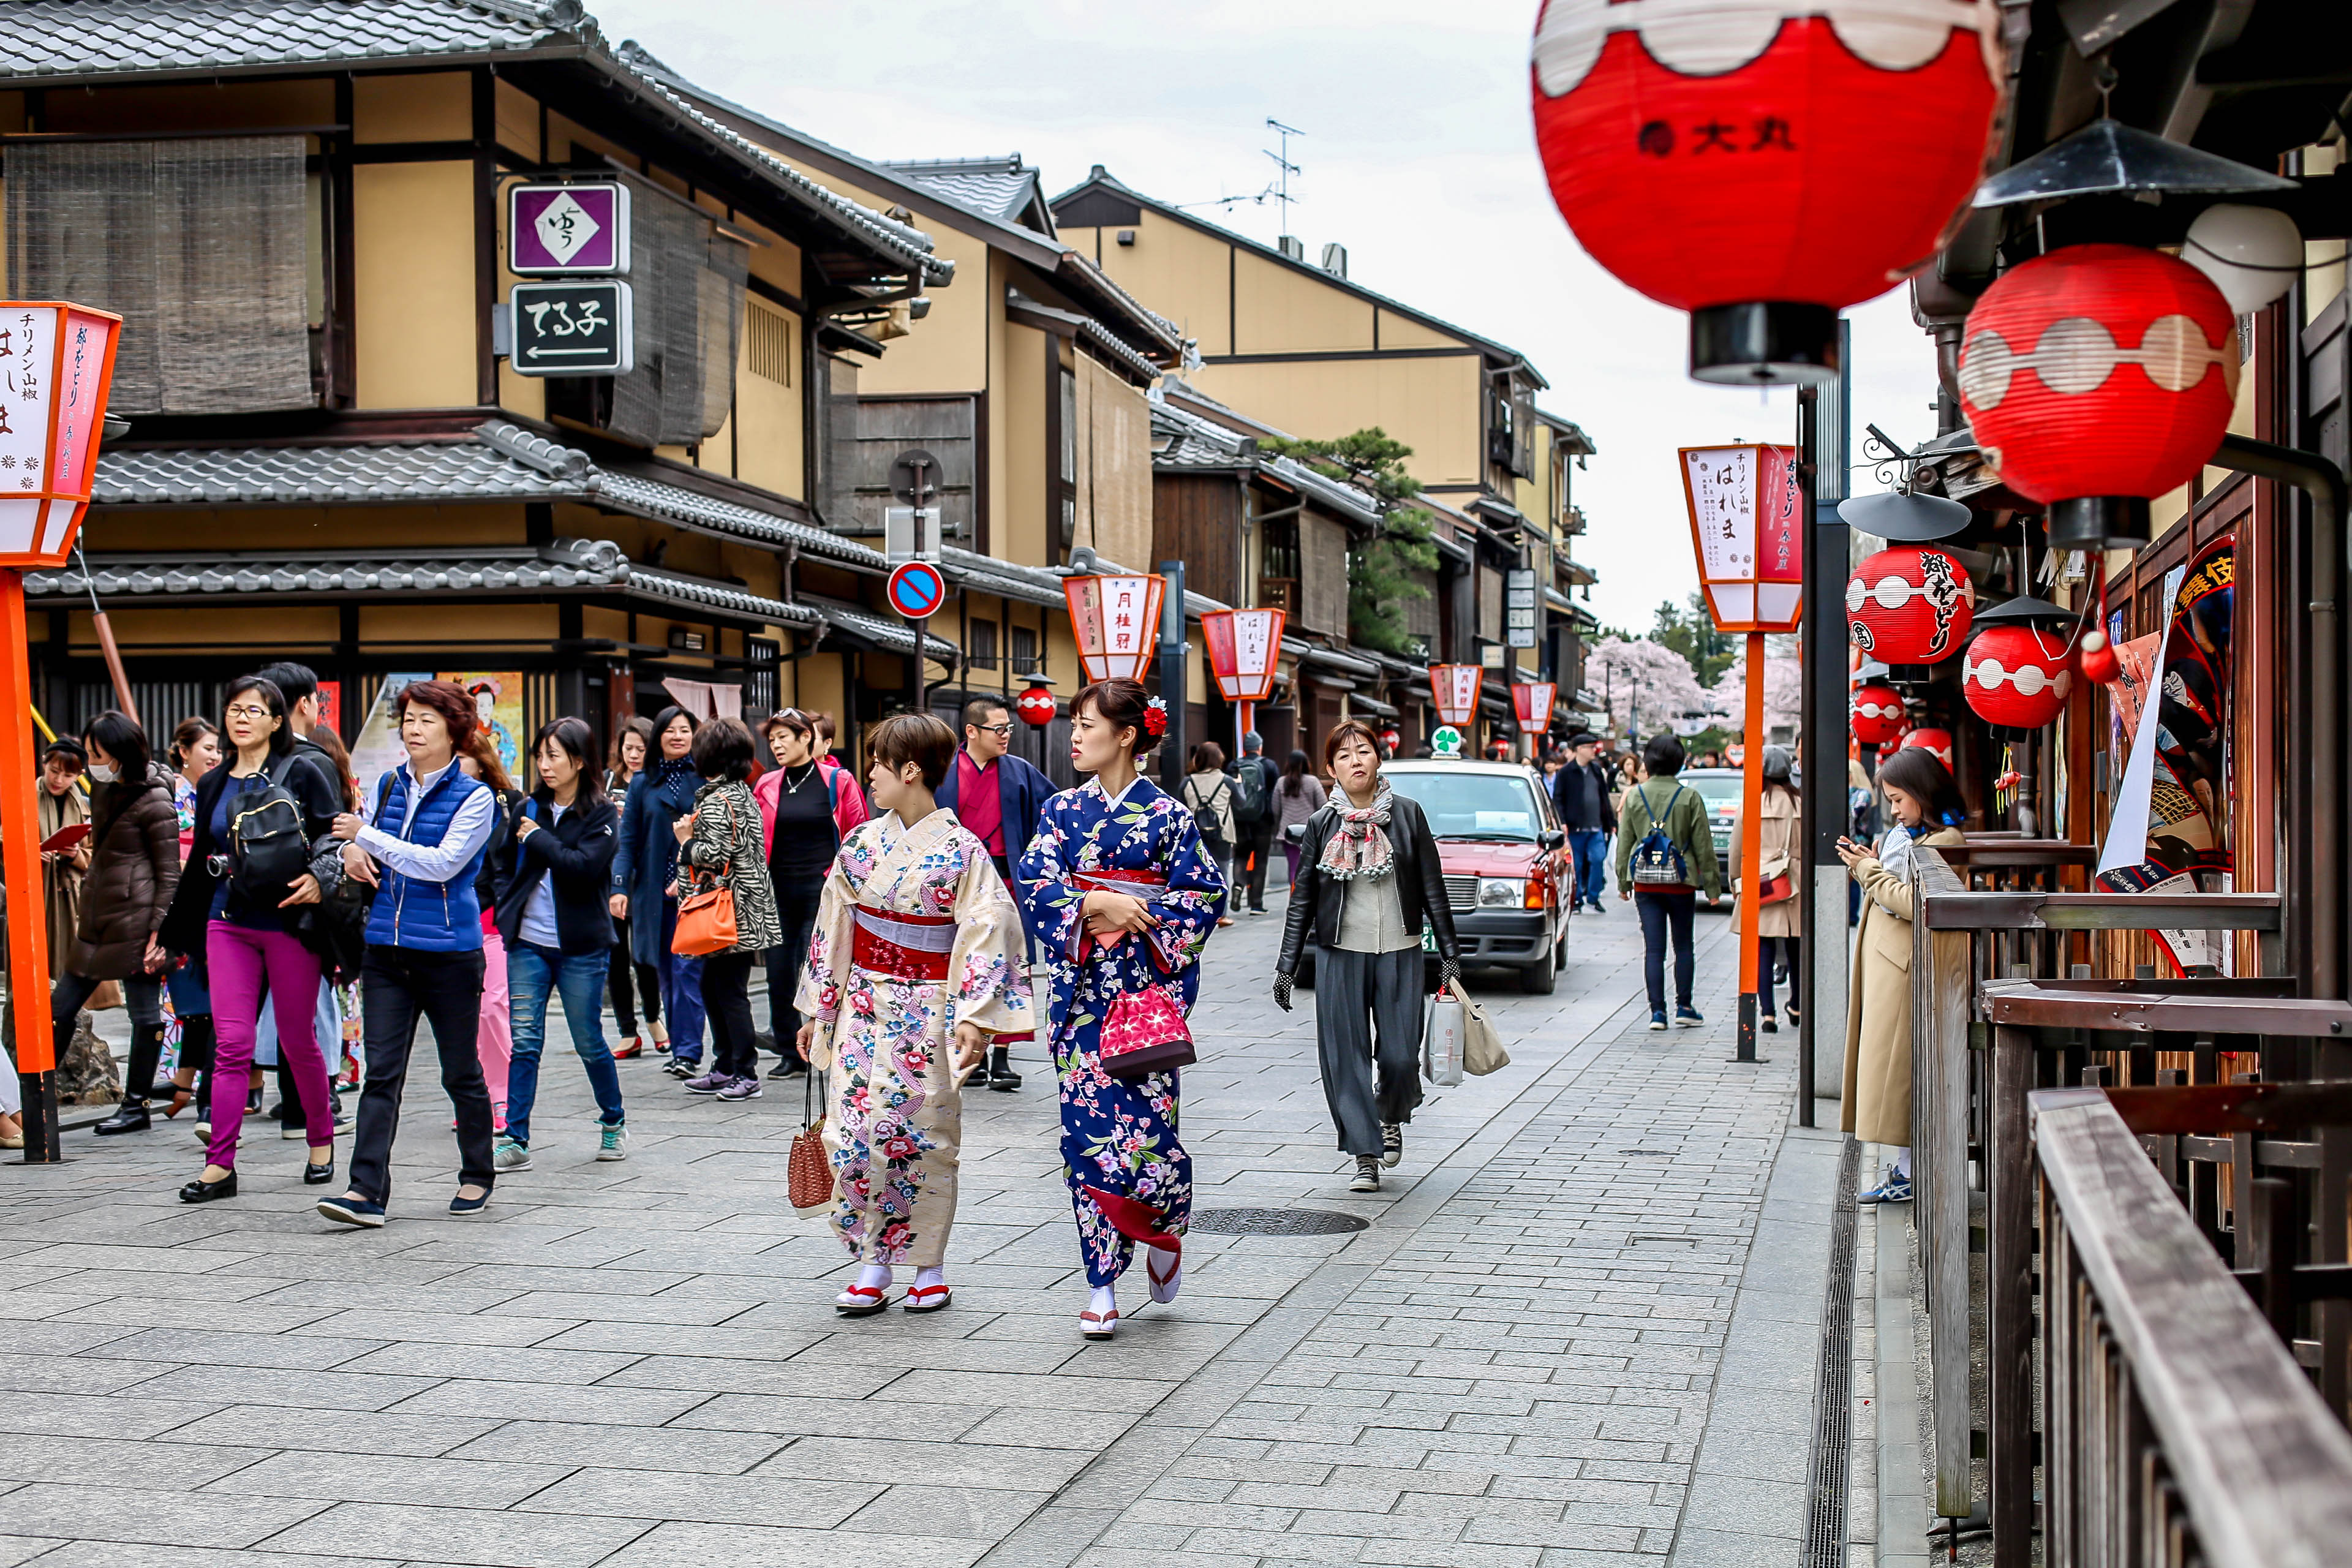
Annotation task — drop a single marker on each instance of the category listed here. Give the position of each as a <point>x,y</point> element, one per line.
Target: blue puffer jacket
<point>647,861</point>
<point>430,917</point>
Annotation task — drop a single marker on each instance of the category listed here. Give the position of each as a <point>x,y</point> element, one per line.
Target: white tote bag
<point>1440,1041</point>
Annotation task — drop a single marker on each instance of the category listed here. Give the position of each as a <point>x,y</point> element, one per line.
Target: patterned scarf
<point>1359,846</point>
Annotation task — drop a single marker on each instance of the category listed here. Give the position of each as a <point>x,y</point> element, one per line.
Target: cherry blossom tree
<point>1646,685</point>
<point>1783,689</point>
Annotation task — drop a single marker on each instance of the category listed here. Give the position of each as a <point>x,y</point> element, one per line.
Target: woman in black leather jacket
<point>1368,878</point>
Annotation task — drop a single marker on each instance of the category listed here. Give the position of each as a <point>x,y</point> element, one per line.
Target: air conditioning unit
<point>1335,259</point>
<point>1293,247</point>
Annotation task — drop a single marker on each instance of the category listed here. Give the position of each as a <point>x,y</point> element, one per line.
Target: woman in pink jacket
<point>806,811</point>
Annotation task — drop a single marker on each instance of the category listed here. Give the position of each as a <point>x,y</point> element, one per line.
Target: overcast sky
<point>1418,156</point>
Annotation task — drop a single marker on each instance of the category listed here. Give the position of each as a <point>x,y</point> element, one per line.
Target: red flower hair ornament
<point>1155,717</point>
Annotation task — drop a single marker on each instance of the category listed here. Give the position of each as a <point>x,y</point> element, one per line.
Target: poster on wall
<point>498,709</point>
<point>2170,828</point>
<point>331,705</point>
<point>377,749</point>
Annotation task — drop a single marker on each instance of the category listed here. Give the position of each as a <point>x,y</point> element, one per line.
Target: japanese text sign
<point>1243,648</point>
<point>568,230</point>
<point>584,328</point>
<point>1531,701</point>
<point>1519,608</point>
<point>1746,515</point>
<point>57,365</point>
<point>1456,689</point>
<point>1114,620</point>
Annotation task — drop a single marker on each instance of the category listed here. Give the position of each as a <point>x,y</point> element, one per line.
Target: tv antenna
<point>1281,190</point>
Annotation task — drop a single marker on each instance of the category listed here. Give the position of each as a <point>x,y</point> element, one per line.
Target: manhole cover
<point>1276,1222</point>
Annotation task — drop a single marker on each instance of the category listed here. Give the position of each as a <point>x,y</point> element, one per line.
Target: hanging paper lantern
<point>2097,378</point>
<point>1936,743</point>
<point>1718,156</point>
<point>1036,705</point>
<point>1878,718</point>
<point>1909,605</point>
<point>2017,676</point>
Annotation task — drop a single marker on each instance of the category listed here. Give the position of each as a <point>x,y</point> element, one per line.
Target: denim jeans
<point>1588,885</point>
<point>532,973</point>
<point>681,991</point>
<point>1661,912</point>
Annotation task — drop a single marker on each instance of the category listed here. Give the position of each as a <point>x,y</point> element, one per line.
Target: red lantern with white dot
<point>2017,676</point>
<point>2097,378</point>
<point>1936,743</point>
<point>1706,152</point>
<point>1909,605</point>
<point>1878,717</point>
<point>1036,705</point>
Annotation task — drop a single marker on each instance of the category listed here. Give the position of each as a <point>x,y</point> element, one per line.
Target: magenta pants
<point>239,959</point>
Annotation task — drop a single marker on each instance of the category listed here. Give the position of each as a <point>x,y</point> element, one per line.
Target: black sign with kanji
<point>573,328</point>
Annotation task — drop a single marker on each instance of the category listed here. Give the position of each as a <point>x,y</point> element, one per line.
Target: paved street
<point>1522,1361</point>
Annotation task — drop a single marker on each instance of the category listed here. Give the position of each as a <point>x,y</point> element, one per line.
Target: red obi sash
<point>908,947</point>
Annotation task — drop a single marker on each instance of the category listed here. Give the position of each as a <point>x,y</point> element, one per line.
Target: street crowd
<point>261,912</point>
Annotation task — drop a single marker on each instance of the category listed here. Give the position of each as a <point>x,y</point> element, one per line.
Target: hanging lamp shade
<point>2018,676</point>
<point>1722,156</point>
<point>1936,743</point>
<point>2027,610</point>
<point>1900,516</point>
<point>2107,158</point>
<point>58,365</point>
<point>1878,717</point>
<point>1910,604</point>
<point>2097,378</point>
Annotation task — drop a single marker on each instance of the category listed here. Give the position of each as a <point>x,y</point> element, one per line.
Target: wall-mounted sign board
<point>568,230</point>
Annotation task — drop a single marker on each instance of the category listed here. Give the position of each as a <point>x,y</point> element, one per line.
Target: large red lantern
<point>1036,705</point>
<point>2097,378</point>
<point>1878,717</point>
<point>1936,743</point>
<point>2017,676</point>
<point>1909,605</point>
<point>1713,154</point>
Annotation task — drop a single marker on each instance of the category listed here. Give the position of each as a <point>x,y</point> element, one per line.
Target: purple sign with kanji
<point>568,230</point>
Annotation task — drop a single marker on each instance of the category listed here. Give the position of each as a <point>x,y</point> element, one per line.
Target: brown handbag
<point>706,918</point>
<point>809,1171</point>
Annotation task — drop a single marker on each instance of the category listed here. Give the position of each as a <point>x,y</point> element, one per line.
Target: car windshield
<point>1473,805</point>
<point>1717,789</point>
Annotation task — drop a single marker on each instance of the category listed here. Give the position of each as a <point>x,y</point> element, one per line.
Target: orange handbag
<point>706,918</point>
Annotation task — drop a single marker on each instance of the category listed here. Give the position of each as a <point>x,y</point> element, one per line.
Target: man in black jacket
<point>1580,791</point>
<point>1255,831</point>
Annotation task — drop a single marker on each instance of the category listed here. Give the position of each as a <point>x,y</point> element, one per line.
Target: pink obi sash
<point>909,947</point>
<point>1134,884</point>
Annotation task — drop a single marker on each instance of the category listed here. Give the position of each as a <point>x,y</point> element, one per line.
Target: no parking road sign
<point>916,590</point>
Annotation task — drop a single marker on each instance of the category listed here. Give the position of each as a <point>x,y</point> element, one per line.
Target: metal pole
<point>1824,423</point>
<point>1172,648</point>
<point>20,845</point>
<point>106,644</point>
<point>1751,843</point>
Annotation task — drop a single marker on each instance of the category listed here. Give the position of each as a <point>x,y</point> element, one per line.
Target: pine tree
<point>1380,571</point>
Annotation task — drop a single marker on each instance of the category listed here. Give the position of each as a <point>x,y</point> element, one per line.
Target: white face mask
<point>102,773</point>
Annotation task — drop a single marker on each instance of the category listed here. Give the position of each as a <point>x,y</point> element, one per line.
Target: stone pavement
<point>1578,1329</point>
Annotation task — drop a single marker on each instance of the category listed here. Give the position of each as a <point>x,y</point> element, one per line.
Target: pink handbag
<point>1146,1033</point>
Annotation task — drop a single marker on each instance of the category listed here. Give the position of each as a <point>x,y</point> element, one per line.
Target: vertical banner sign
<point>1747,516</point>
<point>1519,608</point>
<point>1243,646</point>
<point>57,365</point>
<point>1114,620</point>
<point>1532,700</point>
<point>1455,688</point>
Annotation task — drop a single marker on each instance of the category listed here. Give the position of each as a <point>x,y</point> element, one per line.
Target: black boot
<point>1001,1075</point>
<point>130,1116</point>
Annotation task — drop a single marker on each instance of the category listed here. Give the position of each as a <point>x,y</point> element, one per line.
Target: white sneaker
<point>508,1155</point>
<point>1367,1175</point>
<point>613,1144</point>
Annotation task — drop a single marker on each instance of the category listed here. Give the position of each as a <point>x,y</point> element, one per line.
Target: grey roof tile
<point>1000,188</point>
<point>52,38</point>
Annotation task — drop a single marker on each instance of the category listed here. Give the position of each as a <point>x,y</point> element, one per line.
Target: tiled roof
<point>497,462</point>
<point>1193,442</point>
<point>999,188</point>
<point>54,37</point>
<point>891,636</point>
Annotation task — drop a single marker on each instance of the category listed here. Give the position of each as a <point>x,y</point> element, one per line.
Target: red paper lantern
<point>1717,155</point>
<point>1036,705</point>
<point>1878,716</point>
<point>2097,378</point>
<point>1909,605</point>
<point>1936,743</point>
<point>2018,676</point>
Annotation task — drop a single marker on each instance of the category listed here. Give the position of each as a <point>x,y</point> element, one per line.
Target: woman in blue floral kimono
<point>1123,896</point>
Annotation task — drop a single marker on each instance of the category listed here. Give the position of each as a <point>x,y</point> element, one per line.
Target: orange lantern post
<point>57,365</point>
<point>1531,704</point>
<point>1748,529</point>
<point>1244,646</point>
<point>1454,689</point>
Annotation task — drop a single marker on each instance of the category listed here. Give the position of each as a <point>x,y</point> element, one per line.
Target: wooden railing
<point>2177,1429</point>
<point>1966,1124</point>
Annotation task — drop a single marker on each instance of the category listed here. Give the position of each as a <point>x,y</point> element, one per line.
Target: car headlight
<point>1501,892</point>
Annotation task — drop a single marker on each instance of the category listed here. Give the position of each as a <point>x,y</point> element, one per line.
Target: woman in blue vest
<point>433,823</point>
<point>645,881</point>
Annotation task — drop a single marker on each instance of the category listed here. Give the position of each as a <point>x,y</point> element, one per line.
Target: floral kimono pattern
<point>897,1117</point>
<point>1119,1139</point>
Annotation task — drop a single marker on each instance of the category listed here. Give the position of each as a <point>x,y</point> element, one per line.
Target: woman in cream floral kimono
<point>915,939</point>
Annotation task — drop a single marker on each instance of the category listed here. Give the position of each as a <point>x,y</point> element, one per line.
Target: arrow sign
<point>916,590</point>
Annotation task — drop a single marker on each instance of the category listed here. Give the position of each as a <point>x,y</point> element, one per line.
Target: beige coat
<point>1876,1107</point>
<point>1779,857</point>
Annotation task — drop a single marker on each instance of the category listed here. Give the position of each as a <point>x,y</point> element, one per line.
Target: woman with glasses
<point>231,905</point>
<point>805,814</point>
<point>645,883</point>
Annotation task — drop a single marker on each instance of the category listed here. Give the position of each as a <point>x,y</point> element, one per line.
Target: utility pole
<point>1825,433</point>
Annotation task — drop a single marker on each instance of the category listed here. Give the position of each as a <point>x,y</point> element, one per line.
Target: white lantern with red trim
<point>1116,620</point>
<point>1878,714</point>
<point>2018,676</point>
<point>1036,705</point>
<point>1747,529</point>
<point>57,366</point>
<point>1244,646</point>
<point>1531,703</point>
<point>1455,689</point>
<point>1910,605</point>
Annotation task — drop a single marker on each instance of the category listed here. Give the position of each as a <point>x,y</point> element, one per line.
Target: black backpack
<point>1658,860</point>
<point>1249,793</point>
<point>266,846</point>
